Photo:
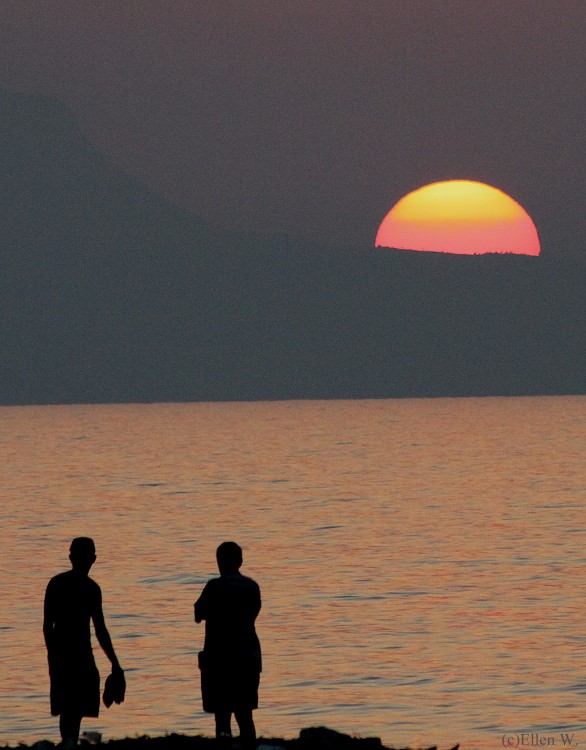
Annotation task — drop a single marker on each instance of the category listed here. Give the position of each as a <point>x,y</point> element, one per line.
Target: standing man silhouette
<point>72,599</point>
<point>230,662</point>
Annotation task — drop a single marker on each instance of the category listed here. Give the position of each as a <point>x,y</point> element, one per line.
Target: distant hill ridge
<point>108,293</point>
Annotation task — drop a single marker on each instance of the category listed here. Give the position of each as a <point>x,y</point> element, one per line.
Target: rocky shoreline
<point>313,738</point>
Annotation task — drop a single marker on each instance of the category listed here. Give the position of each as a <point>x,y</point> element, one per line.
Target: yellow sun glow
<point>459,216</point>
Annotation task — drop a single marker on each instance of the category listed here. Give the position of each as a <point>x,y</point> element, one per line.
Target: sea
<point>422,562</point>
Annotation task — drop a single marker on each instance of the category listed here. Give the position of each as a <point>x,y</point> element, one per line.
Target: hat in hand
<point>115,688</point>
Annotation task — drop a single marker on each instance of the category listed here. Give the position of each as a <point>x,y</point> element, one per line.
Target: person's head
<point>229,557</point>
<point>82,554</point>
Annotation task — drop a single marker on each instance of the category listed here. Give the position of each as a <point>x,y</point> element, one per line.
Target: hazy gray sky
<point>315,116</point>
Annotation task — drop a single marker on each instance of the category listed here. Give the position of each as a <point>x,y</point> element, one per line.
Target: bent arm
<point>200,607</point>
<point>198,611</point>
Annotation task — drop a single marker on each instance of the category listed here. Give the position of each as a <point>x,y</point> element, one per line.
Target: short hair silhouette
<point>82,548</point>
<point>229,557</point>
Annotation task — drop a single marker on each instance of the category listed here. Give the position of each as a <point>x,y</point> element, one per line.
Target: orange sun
<point>459,216</point>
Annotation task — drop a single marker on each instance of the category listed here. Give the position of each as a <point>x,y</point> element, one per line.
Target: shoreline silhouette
<point>311,738</point>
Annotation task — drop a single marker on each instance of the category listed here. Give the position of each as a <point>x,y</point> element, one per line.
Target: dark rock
<point>313,738</point>
<point>322,738</point>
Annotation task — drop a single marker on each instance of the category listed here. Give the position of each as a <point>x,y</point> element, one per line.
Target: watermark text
<point>538,739</point>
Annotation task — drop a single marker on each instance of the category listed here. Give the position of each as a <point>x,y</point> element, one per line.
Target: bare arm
<point>48,619</point>
<point>102,633</point>
<point>257,604</point>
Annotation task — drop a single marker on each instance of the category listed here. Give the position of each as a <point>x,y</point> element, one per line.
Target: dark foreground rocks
<point>314,738</point>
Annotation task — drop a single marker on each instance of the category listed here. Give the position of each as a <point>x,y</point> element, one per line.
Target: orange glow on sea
<point>420,578</point>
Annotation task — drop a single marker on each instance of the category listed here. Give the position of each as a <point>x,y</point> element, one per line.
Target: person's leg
<point>69,725</point>
<point>223,724</point>
<point>247,729</point>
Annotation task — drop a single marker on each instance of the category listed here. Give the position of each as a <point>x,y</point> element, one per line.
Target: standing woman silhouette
<point>230,662</point>
<point>72,600</point>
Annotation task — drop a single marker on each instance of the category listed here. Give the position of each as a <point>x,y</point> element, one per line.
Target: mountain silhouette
<point>108,293</point>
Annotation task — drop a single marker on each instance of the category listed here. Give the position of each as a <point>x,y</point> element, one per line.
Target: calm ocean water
<point>422,562</point>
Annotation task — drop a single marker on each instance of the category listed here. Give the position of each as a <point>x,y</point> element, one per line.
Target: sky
<point>314,117</point>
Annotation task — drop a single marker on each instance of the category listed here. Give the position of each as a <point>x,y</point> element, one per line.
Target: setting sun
<point>459,216</point>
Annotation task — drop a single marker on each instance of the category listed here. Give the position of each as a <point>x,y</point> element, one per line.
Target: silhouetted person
<point>230,662</point>
<point>72,599</point>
